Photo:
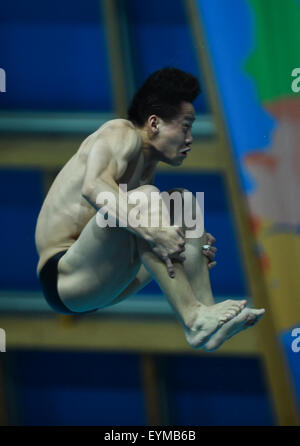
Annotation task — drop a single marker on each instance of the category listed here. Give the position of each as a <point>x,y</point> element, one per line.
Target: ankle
<point>191,316</point>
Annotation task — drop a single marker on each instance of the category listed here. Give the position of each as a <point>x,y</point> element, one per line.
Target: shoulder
<point>117,128</point>
<point>120,135</point>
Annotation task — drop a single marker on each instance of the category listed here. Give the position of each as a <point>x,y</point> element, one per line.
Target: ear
<point>153,124</point>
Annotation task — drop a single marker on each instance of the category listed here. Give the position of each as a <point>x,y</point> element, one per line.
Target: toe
<point>222,320</point>
<point>235,310</point>
<point>231,313</point>
<point>261,312</point>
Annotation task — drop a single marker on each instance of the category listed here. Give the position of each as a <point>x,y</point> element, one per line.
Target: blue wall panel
<point>64,388</point>
<point>67,388</point>
<point>20,202</point>
<point>218,391</point>
<point>54,55</point>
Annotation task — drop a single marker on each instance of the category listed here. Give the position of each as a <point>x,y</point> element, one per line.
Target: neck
<point>150,153</point>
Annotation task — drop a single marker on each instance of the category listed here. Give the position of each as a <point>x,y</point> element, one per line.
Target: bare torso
<point>65,212</point>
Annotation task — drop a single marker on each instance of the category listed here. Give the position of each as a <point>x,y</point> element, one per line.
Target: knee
<point>148,189</point>
<point>185,200</point>
<point>181,190</point>
<point>186,210</point>
<point>146,198</point>
<point>144,193</point>
<point>186,195</point>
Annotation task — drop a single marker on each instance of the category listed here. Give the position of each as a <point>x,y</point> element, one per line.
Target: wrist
<point>144,233</point>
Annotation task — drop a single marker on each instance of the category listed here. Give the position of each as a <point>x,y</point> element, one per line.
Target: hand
<point>169,244</point>
<point>211,252</point>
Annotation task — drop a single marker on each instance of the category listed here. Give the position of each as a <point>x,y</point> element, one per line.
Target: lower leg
<point>196,270</point>
<point>199,321</point>
<point>177,290</point>
<point>196,265</point>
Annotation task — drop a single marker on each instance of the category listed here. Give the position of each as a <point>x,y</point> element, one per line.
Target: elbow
<point>91,189</point>
<point>86,191</point>
<point>86,196</point>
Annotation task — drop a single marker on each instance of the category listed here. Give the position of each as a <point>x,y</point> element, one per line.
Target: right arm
<point>107,162</point>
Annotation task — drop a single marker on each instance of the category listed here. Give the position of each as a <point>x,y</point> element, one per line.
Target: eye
<point>186,128</point>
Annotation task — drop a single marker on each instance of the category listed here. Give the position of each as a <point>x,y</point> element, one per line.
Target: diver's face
<point>174,138</point>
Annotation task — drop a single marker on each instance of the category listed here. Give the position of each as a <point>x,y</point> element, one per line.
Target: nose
<point>189,138</point>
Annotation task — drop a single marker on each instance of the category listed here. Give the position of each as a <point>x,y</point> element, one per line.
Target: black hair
<point>162,95</point>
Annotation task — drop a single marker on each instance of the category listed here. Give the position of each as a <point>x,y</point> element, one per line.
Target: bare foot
<point>209,319</point>
<point>247,318</point>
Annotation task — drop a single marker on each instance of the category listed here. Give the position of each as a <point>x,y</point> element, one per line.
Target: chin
<point>174,162</point>
<point>177,161</point>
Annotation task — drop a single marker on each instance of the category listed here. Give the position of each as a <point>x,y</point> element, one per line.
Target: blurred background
<point>69,66</point>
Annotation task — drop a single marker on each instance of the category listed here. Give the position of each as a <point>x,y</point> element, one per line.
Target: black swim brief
<point>48,279</point>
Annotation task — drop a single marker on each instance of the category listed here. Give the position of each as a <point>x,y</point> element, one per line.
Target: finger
<point>209,252</point>
<point>210,255</point>
<point>179,257</point>
<point>205,251</point>
<point>211,265</point>
<point>170,267</point>
<point>159,253</point>
<point>156,250</point>
<point>180,232</point>
<point>210,238</point>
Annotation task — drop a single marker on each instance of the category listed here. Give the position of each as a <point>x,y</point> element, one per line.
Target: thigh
<point>97,267</point>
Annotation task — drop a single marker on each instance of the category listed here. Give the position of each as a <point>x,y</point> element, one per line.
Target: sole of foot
<point>247,318</point>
